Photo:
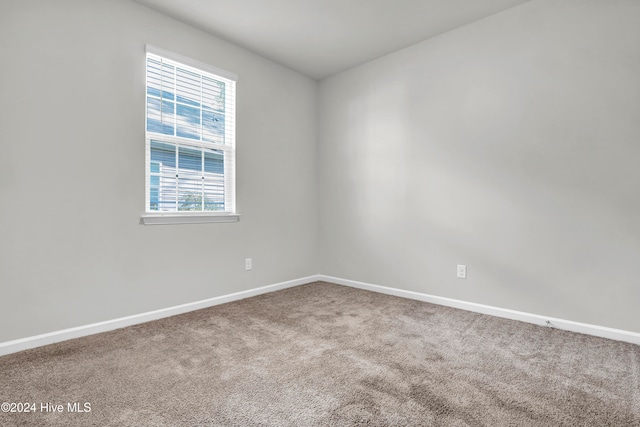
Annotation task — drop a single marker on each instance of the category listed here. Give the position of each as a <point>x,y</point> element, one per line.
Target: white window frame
<point>190,217</point>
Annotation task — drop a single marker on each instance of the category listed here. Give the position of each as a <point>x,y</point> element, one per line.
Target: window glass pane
<point>154,77</point>
<point>214,194</point>
<point>163,154</point>
<point>160,116</point>
<point>189,194</point>
<point>168,117</point>
<point>213,94</point>
<point>188,87</point>
<point>212,126</point>
<point>213,186</point>
<point>168,81</point>
<point>167,192</point>
<point>189,179</point>
<point>154,115</point>
<point>188,122</point>
<point>162,179</point>
<point>160,79</point>
<point>154,188</point>
<point>190,159</point>
<point>214,161</point>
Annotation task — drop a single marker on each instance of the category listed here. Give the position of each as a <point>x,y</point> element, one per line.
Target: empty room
<point>320,213</point>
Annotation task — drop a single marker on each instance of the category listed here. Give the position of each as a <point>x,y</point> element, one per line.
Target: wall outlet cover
<point>462,271</point>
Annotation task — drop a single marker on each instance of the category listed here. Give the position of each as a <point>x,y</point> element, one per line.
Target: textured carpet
<point>327,355</point>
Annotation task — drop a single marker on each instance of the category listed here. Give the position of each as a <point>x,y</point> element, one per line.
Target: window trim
<point>189,217</point>
<point>186,218</point>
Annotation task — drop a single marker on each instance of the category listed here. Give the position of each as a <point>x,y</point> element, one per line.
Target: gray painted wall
<point>72,170</point>
<point>510,145</point>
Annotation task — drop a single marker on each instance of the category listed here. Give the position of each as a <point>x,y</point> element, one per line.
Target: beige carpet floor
<point>328,355</point>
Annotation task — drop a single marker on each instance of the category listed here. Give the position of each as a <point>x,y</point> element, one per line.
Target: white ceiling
<point>323,37</point>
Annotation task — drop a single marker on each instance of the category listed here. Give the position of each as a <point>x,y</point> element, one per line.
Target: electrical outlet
<point>248,264</point>
<point>462,271</point>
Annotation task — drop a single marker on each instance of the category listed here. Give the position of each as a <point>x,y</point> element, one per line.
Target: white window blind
<point>190,137</point>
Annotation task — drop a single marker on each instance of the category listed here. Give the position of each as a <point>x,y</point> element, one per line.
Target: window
<point>190,141</point>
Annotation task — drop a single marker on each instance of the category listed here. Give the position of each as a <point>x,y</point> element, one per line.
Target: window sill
<point>186,218</point>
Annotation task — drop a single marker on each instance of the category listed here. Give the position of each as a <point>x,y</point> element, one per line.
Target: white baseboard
<point>567,325</point>
<point>109,325</point>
